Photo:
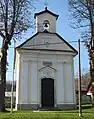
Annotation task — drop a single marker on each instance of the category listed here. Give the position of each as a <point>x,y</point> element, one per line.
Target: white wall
<point>17,66</point>
<point>29,79</point>
<point>68,83</point>
<point>60,84</point>
<point>28,82</point>
<point>34,83</point>
<point>23,82</point>
<point>46,16</point>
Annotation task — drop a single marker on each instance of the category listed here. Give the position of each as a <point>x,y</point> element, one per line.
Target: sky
<point>59,7</point>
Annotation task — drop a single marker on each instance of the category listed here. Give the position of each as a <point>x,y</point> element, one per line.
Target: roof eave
<point>46,11</point>
<point>75,51</point>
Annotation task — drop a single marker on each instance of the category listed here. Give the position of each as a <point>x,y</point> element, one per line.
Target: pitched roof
<point>27,40</point>
<point>49,33</point>
<point>46,11</point>
<point>67,43</point>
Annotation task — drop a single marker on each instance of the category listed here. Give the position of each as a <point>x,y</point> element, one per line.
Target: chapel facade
<point>45,68</point>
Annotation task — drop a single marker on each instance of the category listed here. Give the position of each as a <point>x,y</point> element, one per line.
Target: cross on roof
<point>46,3</point>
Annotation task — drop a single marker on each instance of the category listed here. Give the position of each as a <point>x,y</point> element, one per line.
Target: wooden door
<point>47,92</point>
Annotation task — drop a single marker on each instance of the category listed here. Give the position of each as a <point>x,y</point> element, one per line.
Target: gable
<point>47,67</point>
<point>47,41</point>
<point>47,71</point>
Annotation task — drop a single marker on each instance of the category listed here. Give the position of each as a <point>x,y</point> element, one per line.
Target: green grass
<point>74,114</point>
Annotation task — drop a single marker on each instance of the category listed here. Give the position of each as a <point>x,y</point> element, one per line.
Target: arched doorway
<point>47,92</point>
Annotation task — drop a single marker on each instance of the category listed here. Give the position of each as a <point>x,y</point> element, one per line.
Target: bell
<point>45,25</point>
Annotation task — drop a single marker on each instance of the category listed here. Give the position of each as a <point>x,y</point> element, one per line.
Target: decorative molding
<point>47,72</point>
<point>45,51</point>
<point>47,66</point>
<point>29,59</point>
<point>64,62</point>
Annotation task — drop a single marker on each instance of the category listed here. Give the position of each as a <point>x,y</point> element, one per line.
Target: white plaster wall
<point>17,78</point>
<point>29,80</point>
<point>29,96</point>
<point>73,82</point>
<point>68,83</point>
<point>46,56</point>
<point>60,84</point>
<point>34,84</point>
<point>46,16</point>
<point>23,82</point>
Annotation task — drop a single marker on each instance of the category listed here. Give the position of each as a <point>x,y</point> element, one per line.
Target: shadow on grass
<point>85,109</point>
<point>87,106</point>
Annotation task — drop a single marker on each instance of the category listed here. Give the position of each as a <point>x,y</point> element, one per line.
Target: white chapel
<point>45,68</point>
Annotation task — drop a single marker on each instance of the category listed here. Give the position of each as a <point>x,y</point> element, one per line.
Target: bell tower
<point>46,21</point>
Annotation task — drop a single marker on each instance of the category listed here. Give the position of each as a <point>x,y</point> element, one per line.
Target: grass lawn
<point>87,114</point>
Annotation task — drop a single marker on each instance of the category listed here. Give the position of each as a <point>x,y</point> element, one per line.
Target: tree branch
<point>2,35</point>
<point>82,13</point>
<point>6,18</point>
<point>13,21</point>
<point>2,7</point>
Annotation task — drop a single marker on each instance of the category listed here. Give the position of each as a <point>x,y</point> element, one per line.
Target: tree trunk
<point>3,75</point>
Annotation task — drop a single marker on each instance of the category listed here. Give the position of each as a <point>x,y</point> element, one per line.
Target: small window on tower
<point>46,25</point>
<point>47,63</point>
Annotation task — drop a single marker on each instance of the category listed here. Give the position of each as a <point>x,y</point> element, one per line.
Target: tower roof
<point>46,11</point>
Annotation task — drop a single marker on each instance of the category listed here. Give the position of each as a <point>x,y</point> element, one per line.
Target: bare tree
<point>82,13</point>
<point>15,18</point>
<point>82,16</point>
<point>9,85</point>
